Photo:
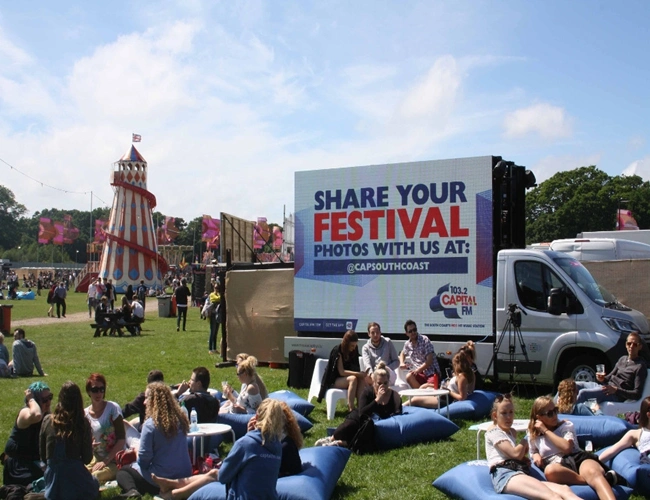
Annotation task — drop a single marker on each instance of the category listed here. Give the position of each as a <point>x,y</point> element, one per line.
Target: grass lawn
<point>68,351</point>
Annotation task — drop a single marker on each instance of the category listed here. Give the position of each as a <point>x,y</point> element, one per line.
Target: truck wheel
<point>581,369</point>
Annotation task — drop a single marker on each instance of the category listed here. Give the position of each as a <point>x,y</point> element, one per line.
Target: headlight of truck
<point>620,325</point>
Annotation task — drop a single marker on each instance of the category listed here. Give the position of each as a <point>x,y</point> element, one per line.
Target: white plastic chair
<point>614,409</point>
<point>332,396</point>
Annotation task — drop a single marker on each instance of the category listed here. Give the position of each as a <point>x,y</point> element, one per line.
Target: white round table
<point>208,430</point>
<point>410,393</point>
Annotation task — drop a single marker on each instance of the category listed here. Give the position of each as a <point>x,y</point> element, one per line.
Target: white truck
<point>441,243</point>
<point>597,249</point>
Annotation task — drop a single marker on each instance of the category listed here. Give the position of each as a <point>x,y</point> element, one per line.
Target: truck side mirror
<point>556,302</point>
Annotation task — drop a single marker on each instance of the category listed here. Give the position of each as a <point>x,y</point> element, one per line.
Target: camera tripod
<point>512,366</point>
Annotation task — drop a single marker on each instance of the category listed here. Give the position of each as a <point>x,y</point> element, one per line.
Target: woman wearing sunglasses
<point>22,461</point>
<point>249,397</point>
<point>554,449</point>
<point>508,460</point>
<point>357,431</point>
<point>107,427</point>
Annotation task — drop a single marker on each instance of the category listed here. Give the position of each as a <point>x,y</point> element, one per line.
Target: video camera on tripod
<point>509,364</point>
<point>514,315</point>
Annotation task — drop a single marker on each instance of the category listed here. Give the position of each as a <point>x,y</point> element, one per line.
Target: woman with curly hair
<point>163,445</point>
<point>567,393</point>
<point>66,445</point>
<point>253,465</point>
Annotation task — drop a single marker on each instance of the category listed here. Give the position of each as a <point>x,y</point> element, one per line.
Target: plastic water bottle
<point>184,410</point>
<point>194,426</point>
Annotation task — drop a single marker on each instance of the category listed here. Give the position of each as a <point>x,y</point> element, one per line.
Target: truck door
<point>541,331</point>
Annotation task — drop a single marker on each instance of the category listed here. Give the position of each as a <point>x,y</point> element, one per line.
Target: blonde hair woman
<point>245,471</point>
<point>249,396</point>
<point>163,444</point>
<point>258,380</point>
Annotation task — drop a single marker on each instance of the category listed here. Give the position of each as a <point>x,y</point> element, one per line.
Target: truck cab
<point>569,322</point>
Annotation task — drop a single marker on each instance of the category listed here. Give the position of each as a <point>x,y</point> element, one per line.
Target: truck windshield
<point>583,278</point>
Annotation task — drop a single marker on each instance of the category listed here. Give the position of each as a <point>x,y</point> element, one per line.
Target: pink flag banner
<point>211,231</point>
<point>625,221</point>
<point>46,230</point>
<point>168,232</point>
<point>100,231</point>
<point>66,233</point>
<point>277,238</point>
<point>261,233</point>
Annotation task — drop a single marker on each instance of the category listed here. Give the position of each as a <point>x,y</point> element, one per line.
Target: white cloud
<point>639,167</point>
<point>435,95</point>
<point>545,120</point>
<point>11,54</point>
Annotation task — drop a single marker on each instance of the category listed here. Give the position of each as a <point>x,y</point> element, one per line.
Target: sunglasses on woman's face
<point>501,397</point>
<point>96,390</point>
<point>549,413</point>
<point>48,398</point>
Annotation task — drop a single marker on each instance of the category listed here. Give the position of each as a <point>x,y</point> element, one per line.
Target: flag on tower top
<point>136,138</point>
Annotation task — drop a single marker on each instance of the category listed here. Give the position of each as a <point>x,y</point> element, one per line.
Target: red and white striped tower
<point>131,251</point>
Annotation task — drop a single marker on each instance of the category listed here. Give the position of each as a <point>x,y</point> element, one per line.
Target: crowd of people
<point>74,451</point>
<point>67,453</point>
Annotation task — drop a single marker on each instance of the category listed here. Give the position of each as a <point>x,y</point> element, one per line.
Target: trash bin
<point>5,318</point>
<point>164,306</point>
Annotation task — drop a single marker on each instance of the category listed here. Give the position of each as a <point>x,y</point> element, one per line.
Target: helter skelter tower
<point>131,251</point>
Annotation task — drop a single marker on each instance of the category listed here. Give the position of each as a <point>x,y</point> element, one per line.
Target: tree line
<point>583,199</point>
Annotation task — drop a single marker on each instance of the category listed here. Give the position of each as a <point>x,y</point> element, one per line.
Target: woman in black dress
<point>378,400</point>
<point>343,370</point>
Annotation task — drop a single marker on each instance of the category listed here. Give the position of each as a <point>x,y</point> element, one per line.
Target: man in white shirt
<point>92,299</point>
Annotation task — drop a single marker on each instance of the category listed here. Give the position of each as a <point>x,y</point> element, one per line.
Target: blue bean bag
<point>26,295</point>
<point>239,422</point>
<point>294,401</point>
<point>601,430</point>
<point>321,469</point>
<point>628,464</point>
<point>471,480</point>
<point>477,406</point>
<point>415,425</point>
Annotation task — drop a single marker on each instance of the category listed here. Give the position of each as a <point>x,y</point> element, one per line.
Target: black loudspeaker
<point>301,369</point>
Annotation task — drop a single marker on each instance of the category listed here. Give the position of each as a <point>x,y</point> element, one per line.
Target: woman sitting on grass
<point>22,456</point>
<point>554,449</point>
<point>66,445</point>
<point>163,445</point>
<point>508,460</point>
<point>249,398</point>
<point>378,400</point>
<point>254,463</point>
<point>107,426</point>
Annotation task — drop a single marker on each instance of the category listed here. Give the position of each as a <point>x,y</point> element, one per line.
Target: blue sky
<point>231,98</point>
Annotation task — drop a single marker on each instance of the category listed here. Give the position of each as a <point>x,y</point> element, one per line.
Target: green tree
<point>584,199</point>
<point>11,213</point>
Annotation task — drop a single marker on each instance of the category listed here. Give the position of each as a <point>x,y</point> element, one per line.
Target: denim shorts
<point>501,477</point>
